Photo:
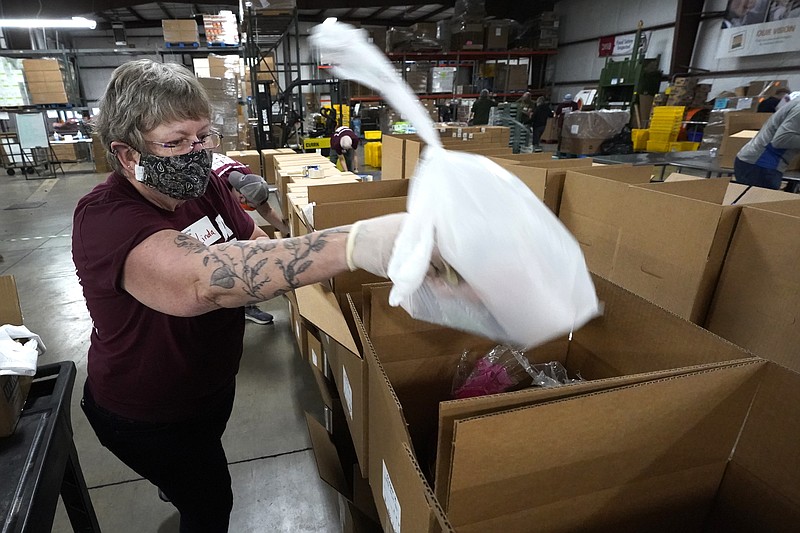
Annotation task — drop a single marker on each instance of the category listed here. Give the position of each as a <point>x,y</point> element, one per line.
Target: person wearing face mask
<point>167,260</point>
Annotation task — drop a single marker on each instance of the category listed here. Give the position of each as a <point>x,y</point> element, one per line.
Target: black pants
<point>184,459</point>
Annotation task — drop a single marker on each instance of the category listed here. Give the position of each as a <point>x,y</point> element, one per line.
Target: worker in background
<point>567,105</point>
<point>344,146</point>
<point>251,192</point>
<point>762,161</point>
<point>481,109</point>
<point>541,113</point>
<point>525,107</point>
<point>167,261</point>
<point>768,105</point>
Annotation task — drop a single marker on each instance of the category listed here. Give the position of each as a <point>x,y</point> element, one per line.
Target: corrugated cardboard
<point>251,158</point>
<point>755,304</point>
<point>590,208</point>
<point>13,389</point>
<point>481,480</point>
<point>545,177</point>
<point>663,241</point>
<point>180,31</point>
<point>392,157</point>
<point>357,191</point>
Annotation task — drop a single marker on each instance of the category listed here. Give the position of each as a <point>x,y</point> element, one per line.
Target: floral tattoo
<point>247,262</point>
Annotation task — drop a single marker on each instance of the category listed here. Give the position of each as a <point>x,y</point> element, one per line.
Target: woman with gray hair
<point>167,260</point>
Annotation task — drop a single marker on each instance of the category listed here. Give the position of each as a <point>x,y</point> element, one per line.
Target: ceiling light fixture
<point>74,22</point>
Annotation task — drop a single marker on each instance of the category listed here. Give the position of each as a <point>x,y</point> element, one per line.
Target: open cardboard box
<point>663,241</point>
<point>545,177</point>
<point>649,443</point>
<point>13,389</point>
<point>756,303</point>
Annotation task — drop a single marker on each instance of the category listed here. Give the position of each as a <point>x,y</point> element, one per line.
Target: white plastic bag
<point>528,278</point>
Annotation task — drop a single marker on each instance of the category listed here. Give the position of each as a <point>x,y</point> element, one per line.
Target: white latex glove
<point>370,243</point>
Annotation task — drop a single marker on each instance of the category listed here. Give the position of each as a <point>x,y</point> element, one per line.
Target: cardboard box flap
<point>671,248</point>
<point>706,190</point>
<point>622,173</point>
<point>748,194</point>
<point>654,443</point>
<point>357,191</point>
<point>787,208</point>
<point>10,310</point>
<point>557,163</point>
<point>761,490</point>
<point>761,312</point>
<point>745,134</point>
<point>336,214</point>
<point>318,305</point>
<point>327,458</point>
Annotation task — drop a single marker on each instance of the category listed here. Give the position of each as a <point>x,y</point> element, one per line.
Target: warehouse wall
<point>705,57</point>
<point>588,19</point>
<point>580,20</point>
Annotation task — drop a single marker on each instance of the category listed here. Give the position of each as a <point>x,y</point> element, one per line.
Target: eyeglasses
<point>184,146</point>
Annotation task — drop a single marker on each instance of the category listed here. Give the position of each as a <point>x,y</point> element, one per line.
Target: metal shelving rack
<point>537,64</point>
<point>267,31</point>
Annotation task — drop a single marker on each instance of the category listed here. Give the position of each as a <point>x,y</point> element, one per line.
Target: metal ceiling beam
<point>135,14</point>
<point>163,8</point>
<point>687,22</point>
<point>88,7</point>
<point>431,14</point>
<point>340,4</point>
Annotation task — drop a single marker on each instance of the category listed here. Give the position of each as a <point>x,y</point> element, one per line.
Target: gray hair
<point>143,94</point>
<point>484,93</point>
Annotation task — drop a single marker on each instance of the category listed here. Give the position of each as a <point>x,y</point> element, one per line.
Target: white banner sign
<point>623,44</point>
<point>759,39</point>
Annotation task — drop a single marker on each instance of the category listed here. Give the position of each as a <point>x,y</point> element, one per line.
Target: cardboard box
<point>734,123</point>
<point>251,158</point>
<point>392,157</point>
<point>496,37</point>
<point>13,389</point>
<point>545,177</point>
<point>629,232</point>
<point>634,355</point>
<point>37,65</point>
<point>180,31</point>
<point>268,162</point>
<point>573,145</point>
<point>755,303</point>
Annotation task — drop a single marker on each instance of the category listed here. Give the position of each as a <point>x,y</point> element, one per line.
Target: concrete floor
<point>275,480</point>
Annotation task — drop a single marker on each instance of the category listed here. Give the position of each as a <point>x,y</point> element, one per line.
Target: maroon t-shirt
<point>336,139</point>
<point>143,364</point>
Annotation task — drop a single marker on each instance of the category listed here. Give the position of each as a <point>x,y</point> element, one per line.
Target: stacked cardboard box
<point>221,28</point>
<point>180,31</point>
<point>510,78</point>
<point>222,92</point>
<point>497,35</point>
<point>45,80</point>
<point>467,36</point>
<point>544,32</point>
<point>685,91</point>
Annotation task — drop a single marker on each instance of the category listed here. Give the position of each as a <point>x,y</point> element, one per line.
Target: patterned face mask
<point>182,177</point>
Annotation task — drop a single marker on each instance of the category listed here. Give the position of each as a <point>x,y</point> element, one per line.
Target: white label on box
<point>574,129</point>
<point>4,115</point>
<point>744,103</point>
<point>390,500</point>
<point>348,393</point>
<point>314,357</point>
<point>471,135</point>
<point>555,24</point>
<point>483,130</point>
<point>498,32</point>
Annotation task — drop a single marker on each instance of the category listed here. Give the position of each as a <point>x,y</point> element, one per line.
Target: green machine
<point>622,82</point>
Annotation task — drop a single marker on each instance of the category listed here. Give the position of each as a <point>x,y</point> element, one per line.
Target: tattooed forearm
<point>301,250</point>
<point>249,264</point>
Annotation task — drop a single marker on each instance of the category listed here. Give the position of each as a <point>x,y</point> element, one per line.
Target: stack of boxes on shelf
<point>46,81</point>
<point>180,31</point>
<point>687,92</point>
<point>221,29</point>
<point>544,31</point>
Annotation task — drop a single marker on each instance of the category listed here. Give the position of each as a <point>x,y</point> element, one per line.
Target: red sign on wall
<point>606,46</point>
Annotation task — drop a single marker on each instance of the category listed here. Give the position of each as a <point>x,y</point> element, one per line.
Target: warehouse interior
<point>675,408</point>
